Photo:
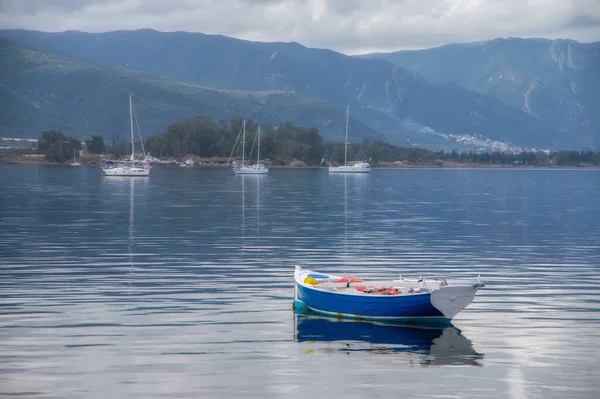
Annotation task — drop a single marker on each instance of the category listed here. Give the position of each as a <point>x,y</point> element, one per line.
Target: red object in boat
<point>349,280</point>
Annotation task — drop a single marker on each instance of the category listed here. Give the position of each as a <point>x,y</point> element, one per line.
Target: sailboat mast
<point>243,142</point>
<point>258,156</point>
<point>131,123</point>
<point>346,142</point>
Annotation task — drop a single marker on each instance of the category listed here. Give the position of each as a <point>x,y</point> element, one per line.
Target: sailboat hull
<point>251,170</point>
<point>126,171</point>
<point>349,169</point>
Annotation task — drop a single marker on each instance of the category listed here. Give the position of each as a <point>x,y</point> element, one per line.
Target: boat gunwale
<point>358,293</point>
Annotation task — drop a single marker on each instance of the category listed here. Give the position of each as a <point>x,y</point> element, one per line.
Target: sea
<point>180,285</point>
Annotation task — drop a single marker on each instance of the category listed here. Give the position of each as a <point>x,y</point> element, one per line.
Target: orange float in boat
<point>349,280</point>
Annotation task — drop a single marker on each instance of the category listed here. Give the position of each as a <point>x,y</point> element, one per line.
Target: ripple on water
<point>157,287</point>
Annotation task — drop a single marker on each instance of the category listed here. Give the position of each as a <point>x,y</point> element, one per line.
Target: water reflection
<point>112,291</point>
<point>438,345</point>
<point>131,217</point>
<point>351,204</point>
<point>253,182</point>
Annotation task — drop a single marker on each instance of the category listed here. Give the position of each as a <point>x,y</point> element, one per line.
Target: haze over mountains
<point>41,91</point>
<point>557,81</point>
<point>503,90</point>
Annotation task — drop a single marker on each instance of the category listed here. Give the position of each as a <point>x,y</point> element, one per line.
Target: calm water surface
<point>180,285</point>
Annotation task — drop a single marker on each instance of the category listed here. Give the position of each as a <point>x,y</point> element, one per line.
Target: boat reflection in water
<point>433,344</point>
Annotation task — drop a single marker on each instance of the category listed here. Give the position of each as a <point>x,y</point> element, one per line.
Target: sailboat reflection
<point>250,237</point>
<point>433,344</point>
<point>131,220</point>
<point>355,233</point>
<point>124,188</point>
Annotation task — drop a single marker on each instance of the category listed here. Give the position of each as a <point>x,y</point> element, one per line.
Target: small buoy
<point>310,280</point>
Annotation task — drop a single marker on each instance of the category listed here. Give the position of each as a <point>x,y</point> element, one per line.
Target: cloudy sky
<point>349,26</point>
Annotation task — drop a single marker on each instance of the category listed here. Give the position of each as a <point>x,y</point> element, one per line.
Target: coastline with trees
<point>284,145</point>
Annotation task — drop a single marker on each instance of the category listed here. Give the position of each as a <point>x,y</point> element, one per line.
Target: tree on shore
<point>119,148</point>
<point>95,145</point>
<point>287,142</point>
<point>202,137</point>
<point>57,146</point>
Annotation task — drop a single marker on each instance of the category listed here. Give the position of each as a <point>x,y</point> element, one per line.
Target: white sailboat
<point>128,170</point>
<point>356,167</point>
<point>75,163</point>
<point>258,168</point>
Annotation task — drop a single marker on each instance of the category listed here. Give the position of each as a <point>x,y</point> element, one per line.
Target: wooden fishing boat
<point>402,299</point>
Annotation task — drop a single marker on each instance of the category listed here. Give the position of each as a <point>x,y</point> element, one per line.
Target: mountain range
<point>557,81</point>
<point>42,90</point>
<point>79,82</point>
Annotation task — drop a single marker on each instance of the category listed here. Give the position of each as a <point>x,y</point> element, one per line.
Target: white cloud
<point>350,26</point>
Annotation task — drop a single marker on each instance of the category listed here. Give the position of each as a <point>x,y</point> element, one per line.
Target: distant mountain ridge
<point>401,106</point>
<point>553,80</point>
<point>41,91</point>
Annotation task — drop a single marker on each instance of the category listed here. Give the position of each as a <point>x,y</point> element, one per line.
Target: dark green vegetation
<point>95,145</point>
<point>57,147</point>
<point>557,81</point>
<point>201,136</point>
<point>269,82</point>
<point>280,145</point>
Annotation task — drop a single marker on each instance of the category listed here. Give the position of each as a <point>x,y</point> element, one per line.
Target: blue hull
<point>369,307</point>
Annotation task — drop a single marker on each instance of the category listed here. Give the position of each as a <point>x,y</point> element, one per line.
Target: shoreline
<point>95,162</point>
